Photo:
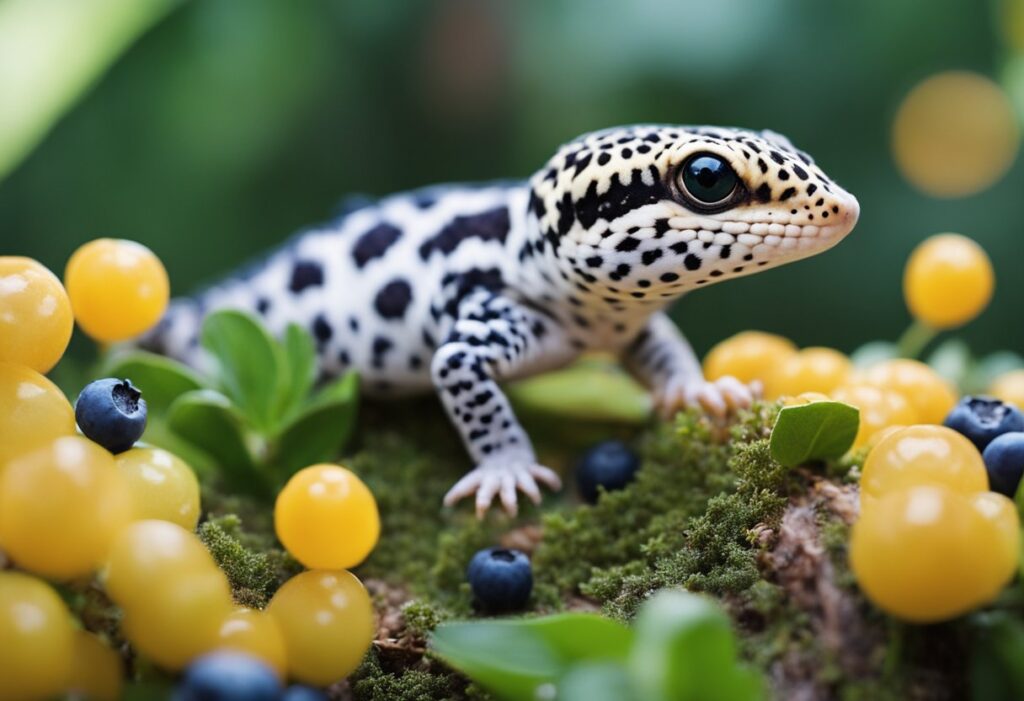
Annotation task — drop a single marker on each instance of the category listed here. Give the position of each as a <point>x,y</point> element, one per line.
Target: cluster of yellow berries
<point>69,509</point>
<point>931,542</point>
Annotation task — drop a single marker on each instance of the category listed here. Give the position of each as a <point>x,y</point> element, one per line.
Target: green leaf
<point>601,681</point>
<point>322,429</point>
<point>250,363</point>
<point>160,379</point>
<point>873,352</point>
<point>685,651</point>
<point>997,657</point>
<point>814,431</point>
<point>207,420</point>
<point>300,368</point>
<point>593,389</point>
<point>951,360</point>
<point>513,658</point>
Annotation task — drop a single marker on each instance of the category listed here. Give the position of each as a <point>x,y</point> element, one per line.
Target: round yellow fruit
<point>327,518</point>
<point>61,507</point>
<point>327,621</point>
<point>948,281</point>
<point>818,370</point>
<point>1009,387</point>
<point>747,356</point>
<point>35,314</point>
<point>928,393</point>
<point>33,411</point>
<point>254,633</point>
<point>879,409</point>
<point>118,289</point>
<point>1001,513</point>
<point>926,554</point>
<point>97,672</point>
<point>36,639</point>
<point>923,454</point>
<point>163,486</point>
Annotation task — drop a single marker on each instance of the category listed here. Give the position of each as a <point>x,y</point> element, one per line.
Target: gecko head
<point>650,212</point>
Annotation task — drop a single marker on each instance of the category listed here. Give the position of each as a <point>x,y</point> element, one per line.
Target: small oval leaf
<point>815,431</point>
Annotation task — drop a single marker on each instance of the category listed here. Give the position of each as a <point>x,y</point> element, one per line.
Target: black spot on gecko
<point>393,299</point>
<point>691,262</point>
<point>491,225</point>
<point>375,243</point>
<point>322,330</point>
<point>262,305</point>
<point>305,274</point>
<point>650,256</point>
<point>763,193</point>
<point>381,345</point>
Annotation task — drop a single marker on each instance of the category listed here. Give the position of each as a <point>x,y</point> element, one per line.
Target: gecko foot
<point>718,398</point>
<point>503,476</point>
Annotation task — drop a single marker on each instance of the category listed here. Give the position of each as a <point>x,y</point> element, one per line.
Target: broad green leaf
<point>951,360</point>
<point>873,352</point>
<point>814,431</point>
<point>300,368</point>
<point>593,389</point>
<point>207,420</point>
<point>997,657</point>
<point>51,51</point>
<point>320,432</point>
<point>513,658</point>
<point>600,681</point>
<point>984,372</point>
<point>250,364</point>
<point>685,651</point>
<point>161,380</point>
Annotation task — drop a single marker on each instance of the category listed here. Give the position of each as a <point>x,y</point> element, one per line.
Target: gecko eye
<point>707,180</point>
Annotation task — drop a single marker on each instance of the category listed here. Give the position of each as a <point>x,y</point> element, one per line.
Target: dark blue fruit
<point>610,465</point>
<point>981,419</point>
<point>501,579</point>
<point>111,412</point>
<point>303,693</point>
<point>1004,461</point>
<point>228,676</point>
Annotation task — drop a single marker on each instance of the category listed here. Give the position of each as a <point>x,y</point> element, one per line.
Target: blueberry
<point>303,693</point>
<point>228,676</point>
<point>981,419</point>
<point>501,579</point>
<point>1004,461</point>
<point>611,465</point>
<point>111,412</point>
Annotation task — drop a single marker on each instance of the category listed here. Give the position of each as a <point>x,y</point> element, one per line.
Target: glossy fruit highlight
<point>35,314</point>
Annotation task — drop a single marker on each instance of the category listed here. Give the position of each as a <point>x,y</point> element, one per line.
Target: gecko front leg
<point>493,339</point>
<point>665,363</point>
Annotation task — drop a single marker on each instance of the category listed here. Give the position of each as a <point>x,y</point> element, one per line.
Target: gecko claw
<point>503,479</point>
<point>718,398</point>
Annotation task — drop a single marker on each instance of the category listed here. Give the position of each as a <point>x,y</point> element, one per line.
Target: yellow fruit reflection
<point>928,393</point>
<point>810,370</point>
<point>948,281</point>
<point>923,455</point>
<point>254,633</point>
<point>162,486</point>
<point>96,671</point>
<point>33,411</point>
<point>35,314</point>
<point>1010,388</point>
<point>36,639</point>
<point>879,409</point>
<point>955,134</point>
<point>747,356</point>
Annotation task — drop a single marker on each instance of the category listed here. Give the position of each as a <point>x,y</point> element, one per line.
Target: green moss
<point>422,617</point>
<point>428,682</point>
<point>254,568</point>
<point>686,521</point>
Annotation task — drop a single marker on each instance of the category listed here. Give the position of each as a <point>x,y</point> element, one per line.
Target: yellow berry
<point>149,552</point>
<point>1001,513</point>
<point>327,518</point>
<point>179,618</point>
<point>327,622</point>
<point>96,672</point>
<point>1010,388</point>
<point>33,411</point>
<point>948,281</point>
<point>809,370</point>
<point>929,394</point>
<point>254,633</point>
<point>923,455</point>
<point>805,398</point>
<point>61,507</point>
<point>36,639</point>
<point>118,288</point>
<point>747,356</point>
<point>163,486</point>
<point>925,554</point>
<point>879,409</point>
<point>35,314</point>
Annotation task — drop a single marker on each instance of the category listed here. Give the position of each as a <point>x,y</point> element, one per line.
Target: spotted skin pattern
<point>460,288</point>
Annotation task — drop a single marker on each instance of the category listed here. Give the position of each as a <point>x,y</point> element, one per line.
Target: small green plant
<point>814,431</point>
<point>680,648</point>
<point>257,417</point>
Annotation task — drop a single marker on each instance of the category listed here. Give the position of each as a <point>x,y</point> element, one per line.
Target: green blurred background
<point>229,124</point>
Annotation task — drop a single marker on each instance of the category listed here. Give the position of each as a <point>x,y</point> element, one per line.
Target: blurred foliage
<point>230,125</point>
